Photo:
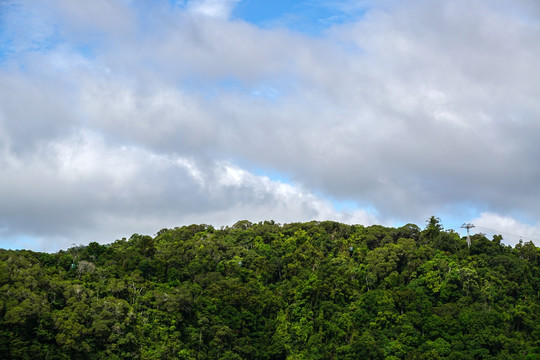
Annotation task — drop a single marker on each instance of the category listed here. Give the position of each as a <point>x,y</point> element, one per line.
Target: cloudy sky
<point>127,116</point>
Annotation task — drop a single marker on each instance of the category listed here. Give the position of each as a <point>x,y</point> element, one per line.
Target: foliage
<point>317,290</point>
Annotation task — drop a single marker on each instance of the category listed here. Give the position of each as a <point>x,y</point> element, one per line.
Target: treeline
<point>317,290</point>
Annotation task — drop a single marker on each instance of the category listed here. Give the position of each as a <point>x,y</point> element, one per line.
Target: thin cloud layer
<point>220,9</point>
<point>130,117</point>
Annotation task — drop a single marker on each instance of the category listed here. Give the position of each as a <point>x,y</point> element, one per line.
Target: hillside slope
<point>317,290</point>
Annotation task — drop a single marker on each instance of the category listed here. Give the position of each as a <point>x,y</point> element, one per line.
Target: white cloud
<point>511,229</point>
<point>83,183</point>
<point>408,110</point>
<point>220,9</point>
<point>89,19</point>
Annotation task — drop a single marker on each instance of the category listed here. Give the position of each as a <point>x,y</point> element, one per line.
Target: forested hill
<point>317,290</point>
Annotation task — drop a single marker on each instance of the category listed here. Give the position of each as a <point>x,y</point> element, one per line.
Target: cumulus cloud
<point>82,183</point>
<point>147,116</point>
<point>511,229</point>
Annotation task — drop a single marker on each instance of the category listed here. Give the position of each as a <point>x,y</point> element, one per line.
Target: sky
<point>128,116</point>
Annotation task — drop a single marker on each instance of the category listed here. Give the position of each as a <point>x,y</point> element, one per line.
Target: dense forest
<point>316,290</point>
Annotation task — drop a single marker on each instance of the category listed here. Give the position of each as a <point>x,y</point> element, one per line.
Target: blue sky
<point>308,17</point>
<point>121,117</point>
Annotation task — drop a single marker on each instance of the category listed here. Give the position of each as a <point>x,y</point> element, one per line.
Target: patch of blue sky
<point>351,206</point>
<point>230,84</point>
<point>273,175</point>
<point>86,50</point>
<point>23,31</point>
<point>18,243</point>
<point>345,205</point>
<point>267,171</point>
<point>5,50</point>
<point>177,3</point>
<point>6,36</point>
<point>268,92</point>
<point>310,17</point>
<point>263,12</point>
<point>44,44</point>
